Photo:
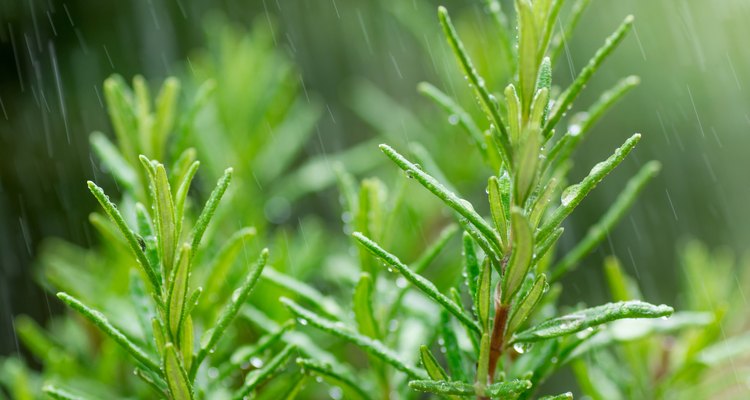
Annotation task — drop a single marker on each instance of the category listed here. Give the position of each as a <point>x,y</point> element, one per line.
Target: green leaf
<point>181,196</point>
<point>726,350</point>
<point>323,303</point>
<point>443,387</point>
<point>547,26</point>
<point>371,346</point>
<point>210,208</point>
<point>559,40</point>
<point>539,107</point>
<point>514,113</point>
<point>500,390</point>
<point>245,353</point>
<point>37,340</point>
<point>527,165</point>
<point>434,249</point>
<point>569,95</point>
<point>542,201</point>
<point>453,354</point>
<point>327,371</point>
<point>120,108</point>
<point>287,140</point>
<point>454,110</point>
<point>239,296</point>
<point>223,261</point>
<point>563,396</point>
<point>484,296</point>
<point>178,287</point>
<point>363,312</point>
<point>599,231</point>
<point>462,207</point>
<point>165,218</point>
<point>617,280</point>
<point>187,336</point>
<point>507,389</point>
<point>520,259</point>
<point>544,247</point>
<point>528,66</point>
<point>471,266</point>
<point>177,379</point>
<point>258,376</point>
<point>158,331</point>
<point>573,195</point>
<point>497,209</point>
<point>180,167</point>
<point>114,161</point>
<point>427,256</point>
<point>106,327</point>
<point>135,246</point>
<point>57,393</point>
<point>484,361</point>
<point>153,381</point>
<point>420,282</point>
<point>166,103</point>
<point>431,365</point>
<point>487,100</point>
<point>369,219</point>
<point>578,129</point>
<point>526,305</point>
<point>591,317</point>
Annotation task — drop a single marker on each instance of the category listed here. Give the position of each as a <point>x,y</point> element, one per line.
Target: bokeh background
<point>693,108</point>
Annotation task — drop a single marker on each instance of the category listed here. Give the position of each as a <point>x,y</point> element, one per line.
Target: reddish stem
<point>498,333</point>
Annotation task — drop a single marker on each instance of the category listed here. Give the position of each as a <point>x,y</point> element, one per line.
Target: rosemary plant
<point>507,261</point>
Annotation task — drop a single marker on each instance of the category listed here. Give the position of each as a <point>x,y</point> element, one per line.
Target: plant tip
<point>633,80</point>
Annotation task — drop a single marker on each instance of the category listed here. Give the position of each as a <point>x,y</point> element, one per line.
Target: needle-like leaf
<point>569,95</point>
<point>210,208</point>
<point>420,282</point>
<point>135,246</point>
<point>461,206</point>
<point>526,305</point>
<point>212,336</point>
<point>254,378</point>
<point>573,195</point>
<point>105,326</point>
<point>590,317</point>
<point>520,259</point>
<point>487,100</point>
<point>372,346</point>
<point>177,379</point>
<point>454,110</point>
<point>363,311</point>
<point>337,377</point>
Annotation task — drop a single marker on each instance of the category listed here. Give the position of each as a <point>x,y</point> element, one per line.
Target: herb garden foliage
<point>166,249</point>
<point>514,339</point>
<point>164,307</point>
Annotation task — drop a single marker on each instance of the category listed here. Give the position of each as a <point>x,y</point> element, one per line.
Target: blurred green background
<point>692,107</point>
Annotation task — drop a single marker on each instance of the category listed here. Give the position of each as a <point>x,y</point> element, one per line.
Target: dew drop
<point>302,321</point>
<point>256,362</point>
<point>569,194</point>
<point>453,119</point>
<point>336,393</point>
<point>521,348</point>
<point>401,282</point>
